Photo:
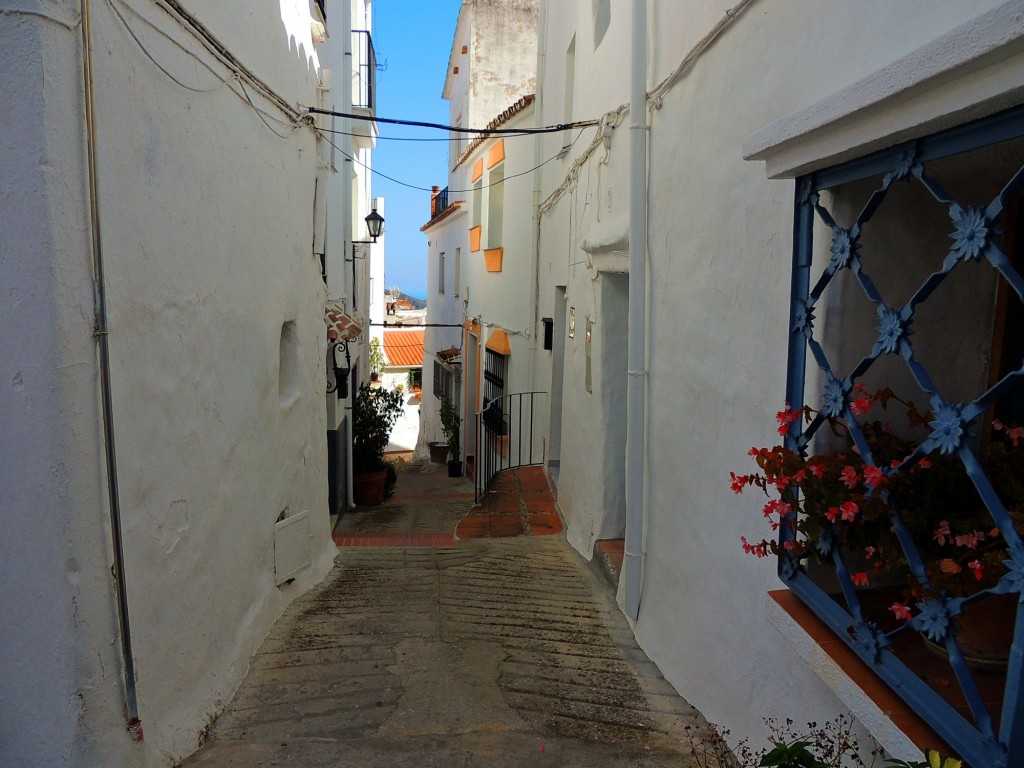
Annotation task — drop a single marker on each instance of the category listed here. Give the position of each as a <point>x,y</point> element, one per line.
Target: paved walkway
<point>495,652</point>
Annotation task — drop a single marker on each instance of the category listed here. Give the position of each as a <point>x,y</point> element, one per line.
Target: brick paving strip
<point>496,652</point>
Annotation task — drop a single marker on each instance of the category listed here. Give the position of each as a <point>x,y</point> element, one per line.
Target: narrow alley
<point>424,648</point>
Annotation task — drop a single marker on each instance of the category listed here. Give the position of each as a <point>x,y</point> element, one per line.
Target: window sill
<point>971,71</point>
<point>901,732</point>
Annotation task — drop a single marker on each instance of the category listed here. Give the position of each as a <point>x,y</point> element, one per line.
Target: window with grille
<point>495,369</point>
<point>445,383</point>
<point>907,279</point>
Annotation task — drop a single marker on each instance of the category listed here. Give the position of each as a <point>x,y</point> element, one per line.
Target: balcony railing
<point>364,89</point>
<point>508,435</point>
<point>438,202</point>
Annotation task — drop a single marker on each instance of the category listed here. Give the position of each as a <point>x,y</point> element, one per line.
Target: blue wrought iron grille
<point>854,275</point>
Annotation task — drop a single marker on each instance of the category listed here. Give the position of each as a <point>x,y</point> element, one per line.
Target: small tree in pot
<point>450,425</point>
<point>374,414</point>
<point>376,359</point>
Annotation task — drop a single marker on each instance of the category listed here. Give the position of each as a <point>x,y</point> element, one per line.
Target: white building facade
<point>706,238</point>
<point>165,465</point>
<point>480,249</point>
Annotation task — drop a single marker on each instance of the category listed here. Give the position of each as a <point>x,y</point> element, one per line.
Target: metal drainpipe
<point>636,387</point>
<point>101,334</point>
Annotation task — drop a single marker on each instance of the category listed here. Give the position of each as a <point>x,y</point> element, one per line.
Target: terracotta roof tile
<point>340,327</point>
<point>404,348</point>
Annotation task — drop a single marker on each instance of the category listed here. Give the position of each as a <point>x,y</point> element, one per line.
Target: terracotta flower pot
<point>368,490</point>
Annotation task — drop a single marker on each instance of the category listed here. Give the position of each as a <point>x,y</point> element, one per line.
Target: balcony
<point>364,88</point>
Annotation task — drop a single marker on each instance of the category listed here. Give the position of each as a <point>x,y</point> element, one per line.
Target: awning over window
<point>404,349</point>
<point>340,327</point>
<point>498,342</point>
<point>450,356</point>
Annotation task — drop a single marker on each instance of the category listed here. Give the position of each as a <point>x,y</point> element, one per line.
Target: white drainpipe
<point>636,388</point>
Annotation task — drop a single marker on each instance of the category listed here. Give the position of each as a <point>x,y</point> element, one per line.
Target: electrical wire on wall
<point>612,118</point>
<point>237,72</point>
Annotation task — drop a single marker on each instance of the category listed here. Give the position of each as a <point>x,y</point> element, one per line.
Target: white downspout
<point>345,211</point>
<point>538,159</point>
<point>636,386</point>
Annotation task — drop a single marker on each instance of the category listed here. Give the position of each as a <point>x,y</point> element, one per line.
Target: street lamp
<point>374,225</point>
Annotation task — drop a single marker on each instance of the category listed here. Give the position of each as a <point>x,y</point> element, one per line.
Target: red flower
<point>976,567</point>
<point>941,532</point>
<point>849,477</point>
<point>817,470</point>
<point>860,406</point>
<point>901,611</point>
<point>874,477</point>
<point>738,482</point>
<point>849,510</point>
<point>860,579</point>
<point>785,418</point>
<point>832,514</point>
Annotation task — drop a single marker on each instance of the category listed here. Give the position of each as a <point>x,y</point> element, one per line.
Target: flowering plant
<point>840,498</point>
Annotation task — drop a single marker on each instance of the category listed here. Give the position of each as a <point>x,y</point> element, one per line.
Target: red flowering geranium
<point>836,497</point>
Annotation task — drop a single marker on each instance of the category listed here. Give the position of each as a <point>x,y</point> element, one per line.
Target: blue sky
<point>414,37</point>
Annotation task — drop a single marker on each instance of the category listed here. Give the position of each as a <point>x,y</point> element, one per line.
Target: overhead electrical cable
<point>456,128</point>
<point>431,189</point>
<point>404,138</point>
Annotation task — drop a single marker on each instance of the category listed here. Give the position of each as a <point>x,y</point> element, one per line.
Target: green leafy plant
<point>374,413</point>
<point>831,745</point>
<point>376,355</point>
<point>450,425</point>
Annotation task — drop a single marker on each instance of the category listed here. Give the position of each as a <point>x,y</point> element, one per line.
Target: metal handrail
<point>507,436</point>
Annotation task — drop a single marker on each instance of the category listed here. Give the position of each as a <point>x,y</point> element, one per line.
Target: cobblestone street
<point>486,652</point>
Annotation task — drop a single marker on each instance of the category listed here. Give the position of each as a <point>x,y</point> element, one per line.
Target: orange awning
<point>498,342</point>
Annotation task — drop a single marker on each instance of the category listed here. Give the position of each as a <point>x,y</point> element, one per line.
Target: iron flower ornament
<point>834,400</point>
<point>934,620</point>
<point>844,246</point>
<point>891,329</point>
<point>972,233</point>
<point>947,427</point>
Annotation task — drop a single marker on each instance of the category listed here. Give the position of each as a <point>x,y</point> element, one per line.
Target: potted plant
<point>862,484</point>
<point>450,425</point>
<point>374,413</point>
<point>376,359</point>
<point>438,451</point>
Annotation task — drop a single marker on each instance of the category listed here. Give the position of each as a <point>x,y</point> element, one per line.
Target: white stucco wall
<point>446,236</point>
<point>718,270</point>
<point>206,228</point>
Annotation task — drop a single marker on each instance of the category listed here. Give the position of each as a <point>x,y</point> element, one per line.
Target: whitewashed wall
<point>719,260</point>
<point>445,308</point>
<point>206,224</point>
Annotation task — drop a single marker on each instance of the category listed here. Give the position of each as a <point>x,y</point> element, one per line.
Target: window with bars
<point>907,280</point>
<point>445,383</point>
<point>495,370</point>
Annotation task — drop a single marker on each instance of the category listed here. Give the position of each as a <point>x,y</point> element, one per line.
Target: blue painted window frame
<point>977,740</point>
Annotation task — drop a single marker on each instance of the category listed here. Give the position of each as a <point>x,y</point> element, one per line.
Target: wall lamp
<point>341,371</point>
<point>374,225</point>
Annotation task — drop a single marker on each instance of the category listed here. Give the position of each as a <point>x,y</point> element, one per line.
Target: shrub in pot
<point>450,425</point>
<point>374,414</point>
